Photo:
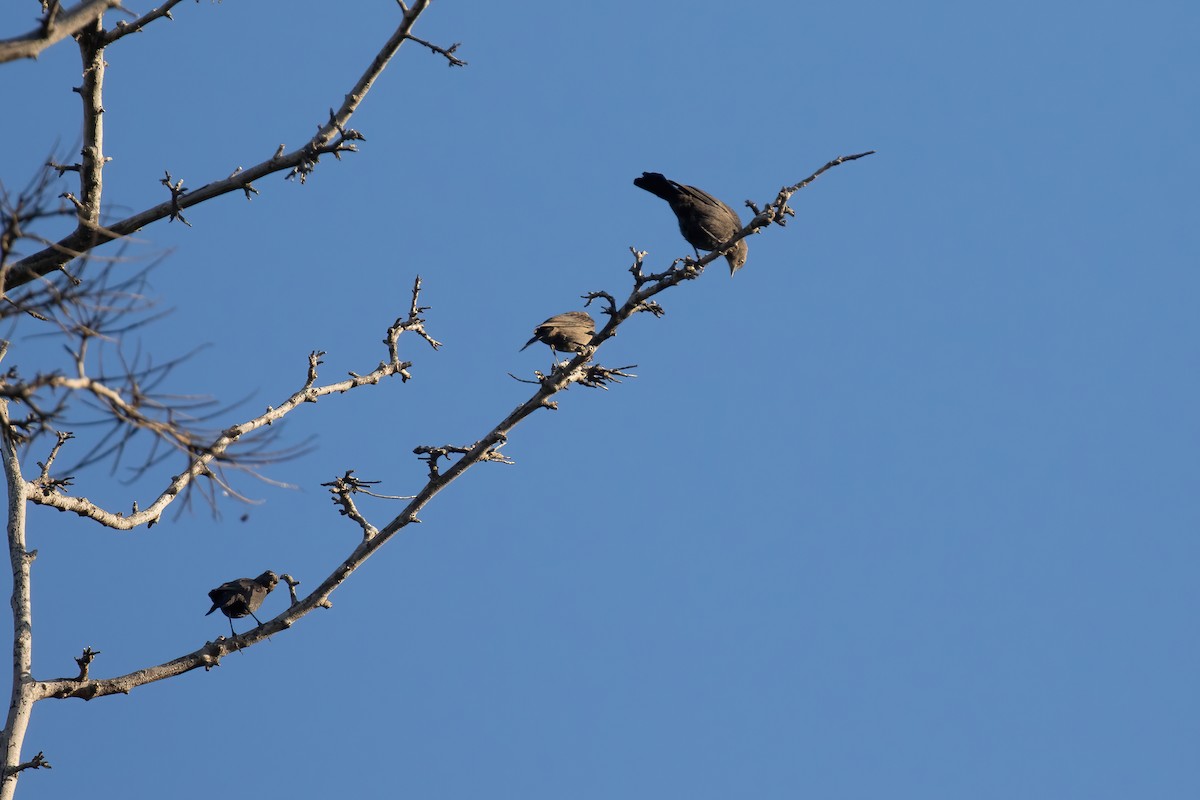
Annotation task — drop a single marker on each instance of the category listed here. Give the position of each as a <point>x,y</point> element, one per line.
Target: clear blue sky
<point>908,509</point>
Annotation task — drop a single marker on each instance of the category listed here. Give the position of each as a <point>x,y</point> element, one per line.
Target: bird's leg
<point>256,619</point>
<point>231,630</point>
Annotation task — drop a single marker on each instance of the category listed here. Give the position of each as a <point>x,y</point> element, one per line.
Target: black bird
<point>565,333</point>
<point>241,597</point>
<point>704,221</point>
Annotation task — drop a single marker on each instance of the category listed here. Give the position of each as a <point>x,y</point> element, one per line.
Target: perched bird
<point>704,221</point>
<point>241,597</point>
<point>565,333</point>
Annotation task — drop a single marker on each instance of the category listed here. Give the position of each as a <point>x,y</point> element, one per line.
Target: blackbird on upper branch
<point>565,333</point>
<point>241,597</point>
<point>704,221</point>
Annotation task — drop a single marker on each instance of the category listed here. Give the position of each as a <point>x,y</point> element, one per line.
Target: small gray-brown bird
<point>704,221</point>
<point>565,333</point>
<point>241,597</point>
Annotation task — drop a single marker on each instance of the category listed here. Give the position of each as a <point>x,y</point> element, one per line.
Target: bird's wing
<point>578,325</point>
<point>702,196</point>
<point>231,592</point>
<point>222,593</point>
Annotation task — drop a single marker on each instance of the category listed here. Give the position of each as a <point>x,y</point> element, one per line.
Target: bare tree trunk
<point>21,702</point>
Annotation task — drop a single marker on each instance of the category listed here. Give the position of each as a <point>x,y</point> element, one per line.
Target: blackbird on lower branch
<point>242,597</point>
<point>704,221</point>
<point>565,333</point>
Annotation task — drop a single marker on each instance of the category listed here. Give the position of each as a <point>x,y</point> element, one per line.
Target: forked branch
<point>579,369</point>
<point>49,492</point>
<point>334,136</point>
<point>56,24</point>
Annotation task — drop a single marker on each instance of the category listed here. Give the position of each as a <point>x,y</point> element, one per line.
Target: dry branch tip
<point>447,52</point>
<point>85,662</point>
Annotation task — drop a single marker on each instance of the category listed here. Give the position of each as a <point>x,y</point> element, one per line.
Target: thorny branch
<point>332,137</point>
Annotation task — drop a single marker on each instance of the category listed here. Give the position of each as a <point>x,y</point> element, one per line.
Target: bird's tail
<point>656,184</point>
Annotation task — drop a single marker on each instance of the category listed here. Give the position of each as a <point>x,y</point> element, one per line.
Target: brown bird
<point>704,221</point>
<point>565,333</point>
<point>241,597</point>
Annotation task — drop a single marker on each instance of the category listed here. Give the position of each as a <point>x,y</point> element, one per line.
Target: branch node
<point>177,190</point>
<point>292,584</point>
<point>430,455</point>
<point>37,762</point>
<point>342,488</point>
<point>85,662</point>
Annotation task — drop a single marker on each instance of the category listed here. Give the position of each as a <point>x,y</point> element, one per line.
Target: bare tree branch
<point>23,693</point>
<point>448,52</point>
<point>91,52</point>
<point>579,369</point>
<point>123,28</point>
<point>331,137</point>
<point>204,457</point>
<point>127,402</point>
<point>85,662</point>
<point>343,490</point>
<point>20,213</point>
<point>127,399</point>
<point>37,762</point>
<point>57,25</point>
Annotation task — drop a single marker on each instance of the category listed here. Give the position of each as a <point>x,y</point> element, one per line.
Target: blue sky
<point>907,509</point>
